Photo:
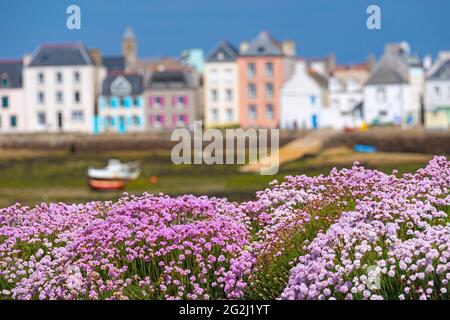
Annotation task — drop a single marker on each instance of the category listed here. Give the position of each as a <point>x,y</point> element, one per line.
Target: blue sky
<point>165,27</point>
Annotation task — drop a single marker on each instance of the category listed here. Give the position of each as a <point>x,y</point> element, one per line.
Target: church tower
<point>129,49</point>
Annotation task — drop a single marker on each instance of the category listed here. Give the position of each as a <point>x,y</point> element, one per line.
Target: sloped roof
<point>224,52</point>
<point>112,63</point>
<point>171,79</point>
<point>264,45</point>
<point>441,71</point>
<point>135,81</point>
<point>320,80</point>
<point>61,55</point>
<point>12,70</point>
<point>391,69</point>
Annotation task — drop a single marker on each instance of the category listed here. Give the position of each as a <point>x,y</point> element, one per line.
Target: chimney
<point>96,56</point>
<point>371,60</point>
<point>244,46</point>
<point>331,63</point>
<point>26,59</point>
<point>288,48</point>
<point>427,62</point>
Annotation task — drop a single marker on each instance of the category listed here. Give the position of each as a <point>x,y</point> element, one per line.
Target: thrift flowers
<point>352,234</point>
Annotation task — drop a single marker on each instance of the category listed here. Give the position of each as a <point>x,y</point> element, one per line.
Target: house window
<point>215,115</point>
<point>228,75</point>
<point>382,113</point>
<point>136,120</point>
<point>76,76</point>
<point>269,111</point>
<point>122,101</point>
<point>109,121</point>
<point>230,115</point>
<point>381,94</point>
<point>42,119</point>
<point>437,91</point>
<point>59,97</point>
<point>251,70</point>
<point>41,98</point>
<point>252,90</point>
<point>180,101</point>
<point>77,96</point>
<point>13,121</point>
<point>159,101</point>
<point>252,112</point>
<point>40,77</point>
<point>214,95</point>
<point>4,81</point>
<point>158,119</point>
<point>214,75</point>
<point>59,77</point>
<point>269,90</point>
<point>137,102</point>
<point>269,69</point>
<point>312,100</point>
<point>5,102</point>
<point>77,116</point>
<point>336,104</point>
<point>229,95</point>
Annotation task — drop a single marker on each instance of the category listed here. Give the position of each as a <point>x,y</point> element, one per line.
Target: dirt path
<point>310,144</point>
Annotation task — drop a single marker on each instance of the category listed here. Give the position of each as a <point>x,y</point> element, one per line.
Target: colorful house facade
<point>121,104</point>
<point>172,100</point>
<point>221,87</point>
<point>264,65</point>
<point>12,100</point>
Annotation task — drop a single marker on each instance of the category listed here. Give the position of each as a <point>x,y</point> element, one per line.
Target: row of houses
<point>261,84</point>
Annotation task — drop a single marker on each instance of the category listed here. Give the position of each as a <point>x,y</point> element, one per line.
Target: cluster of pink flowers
<point>389,237</point>
<point>395,244</point>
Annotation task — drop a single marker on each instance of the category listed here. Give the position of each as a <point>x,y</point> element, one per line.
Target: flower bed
<point>353,234</point>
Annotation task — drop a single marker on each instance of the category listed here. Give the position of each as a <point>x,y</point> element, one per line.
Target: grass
<point>59,176</point>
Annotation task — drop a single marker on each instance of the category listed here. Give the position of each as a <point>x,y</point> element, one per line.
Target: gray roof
<point>61,55</point>
<point>171,79</point>
<point>11,70</point>
<point>135,80</point>
<point>224,52</point>
<point>264,45</point>
<point>391,69</point>
<point>441,71</point>
<point>114,63</point>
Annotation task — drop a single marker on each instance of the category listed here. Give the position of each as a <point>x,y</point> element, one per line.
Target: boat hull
<point>106,185</point>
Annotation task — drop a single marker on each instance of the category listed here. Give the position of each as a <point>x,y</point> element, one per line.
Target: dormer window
<point>220,56</point>
<point>5,82</point>
<point>261,49</point>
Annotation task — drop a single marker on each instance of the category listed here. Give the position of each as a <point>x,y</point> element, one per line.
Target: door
<point>60,120</point>
<point>314,121</point>
<point>122,128</point>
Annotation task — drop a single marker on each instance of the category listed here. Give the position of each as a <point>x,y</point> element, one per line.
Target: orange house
<point>264,65</point>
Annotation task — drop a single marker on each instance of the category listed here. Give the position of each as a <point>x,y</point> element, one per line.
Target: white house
<point>437,93</point>
<point>221,99</point>
<point>394,90</point>
<point>345,87</point>
<point>304,100</point>
<point>12,104</point>
<point>61,83</point>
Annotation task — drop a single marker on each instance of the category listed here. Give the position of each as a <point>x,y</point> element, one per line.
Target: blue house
<point>121,104</point>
